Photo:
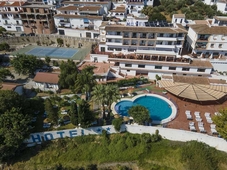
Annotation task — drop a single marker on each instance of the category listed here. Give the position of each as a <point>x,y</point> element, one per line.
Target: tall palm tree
<point>85,81</point>
<point>98,96</point>
<point>112,94</point>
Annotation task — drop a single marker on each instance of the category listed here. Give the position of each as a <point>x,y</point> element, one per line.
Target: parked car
<point>23,35</point>
<point>31,34</point>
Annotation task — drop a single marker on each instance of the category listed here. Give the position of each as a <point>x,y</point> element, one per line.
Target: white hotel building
<point>10,16</point>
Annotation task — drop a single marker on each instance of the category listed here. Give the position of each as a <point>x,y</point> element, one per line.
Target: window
<point>141,66</point>
<point>8,27</point>
<point>185,69</point>
<point>172,68</point>
<point>184,74</point>
<point>128,70</point>
<point>220,45</point>
<point>201,70</point>
<point>103,49</point>
<point>212,45</point>
<point>128,65</point>
<point>158,67</point>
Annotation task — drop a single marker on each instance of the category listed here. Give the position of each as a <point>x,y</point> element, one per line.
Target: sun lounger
<point>214,131</point>
<point>192,128</point>
<point>217,113</point>
<point>207,114</point>
<point>197,113</point>
<point>200,124</point>
<point>209,120</point>
<point>191,123</point>
<point>189,117</point>
<point>212,126</point>
<point>187,112</point>
<point>201,129</point>
<point>198,119</point>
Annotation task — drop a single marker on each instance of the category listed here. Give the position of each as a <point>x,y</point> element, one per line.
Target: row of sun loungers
<point>200,122</point>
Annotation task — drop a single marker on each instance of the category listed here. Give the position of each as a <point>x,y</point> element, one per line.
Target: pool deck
<point>171,104</point>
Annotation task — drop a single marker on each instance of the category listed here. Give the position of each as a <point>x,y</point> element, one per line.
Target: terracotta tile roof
<point>68,8</point>
<point>220,18</point>
<point>217,81</point>
<point>90,8</point>
<point>9,86</point>
<point>194,64</point>
<point>46,78</point>
<point>145,29</point>
<point>201,22</point>
<point>14,4</point>
<point>119,9</point>
<point>2,4</point>
<point>205,29</point>
<point>79,16</point>
<point>179,15</point>
<point>191,79</point>
<point>85,8</point>
<point>79,3</point>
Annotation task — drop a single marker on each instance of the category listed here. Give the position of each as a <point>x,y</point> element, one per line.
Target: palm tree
<point>112,95</point>
<point>85,81</point>
<point>98,96</point>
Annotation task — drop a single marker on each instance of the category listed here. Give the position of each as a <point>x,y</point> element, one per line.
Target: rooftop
<point>79,3</point>
<point>205,29</point>
<point>10,86</point>
<point>46,77</point>
<point>79,16</point>
<point>179,15</point>
<point>74,8</point>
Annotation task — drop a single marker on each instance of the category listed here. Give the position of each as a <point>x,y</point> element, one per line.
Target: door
<point>18,29</point>
<point>61,32</point>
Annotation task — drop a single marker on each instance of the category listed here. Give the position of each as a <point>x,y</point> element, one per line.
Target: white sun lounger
<point>189,117</point>
<point>200,124</point>
<point>191,123</point>
<point>187,112</point>
<point>207,114</point>
<point>201,129</point>
<point>197,113</point>
<point>198,119</point>
<point>217,113</point>
<point>192,128</point>
<point>209,120</point>
<point>212,126</point>
<point>214,131</point>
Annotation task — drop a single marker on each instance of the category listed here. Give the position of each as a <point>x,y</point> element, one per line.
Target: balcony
<point>114,43</point>
<point>126,35</point>
<point>6,23</point>
<point>166,38</point>
<point>201,46</point>
<point>113,35</point>
<point>126,43</point>
<point>5,17</point>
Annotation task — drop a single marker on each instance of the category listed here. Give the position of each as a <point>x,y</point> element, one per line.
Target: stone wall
<point>48,40</point>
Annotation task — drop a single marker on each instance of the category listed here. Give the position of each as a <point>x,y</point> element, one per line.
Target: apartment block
<point>221,4</point>
<point>141,37</point>
<point>207,41</point>
<point>38,18</point>
<point>10,16</point>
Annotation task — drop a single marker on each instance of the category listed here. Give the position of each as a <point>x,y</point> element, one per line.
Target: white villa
<point>46,81</point>
<point>221,4</point>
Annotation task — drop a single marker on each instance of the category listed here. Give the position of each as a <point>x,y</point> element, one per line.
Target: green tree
<point>60,42</point>
<point>68,74</point>
<point>14,128</point>
<point>98,96</point>
<point>2,30</point>
<point>47,60</point>
<point>73,113</point>
<point>52,113</point>
<point>221,122</point>
<point>85,116</point>
<point>4,73</point>
<point>112,94</point>
<point>26,64</point>
<point>4,46</point>
<point>15,118</point>
<point>157,16</point>
<point>139,113</point>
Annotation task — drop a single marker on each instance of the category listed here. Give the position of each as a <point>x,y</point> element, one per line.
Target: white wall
<point>100,58</point>
<point>166,133</point>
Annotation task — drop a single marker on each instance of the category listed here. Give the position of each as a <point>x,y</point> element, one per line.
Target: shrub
<point>117,124</point>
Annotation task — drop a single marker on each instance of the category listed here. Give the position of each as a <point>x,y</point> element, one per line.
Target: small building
<point>46,81</point>
<point>18,88</point>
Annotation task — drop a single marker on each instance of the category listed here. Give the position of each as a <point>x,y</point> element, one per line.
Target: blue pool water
<point>158,108</point>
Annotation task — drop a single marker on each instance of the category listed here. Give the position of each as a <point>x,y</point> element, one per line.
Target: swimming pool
<point>161,110</point>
